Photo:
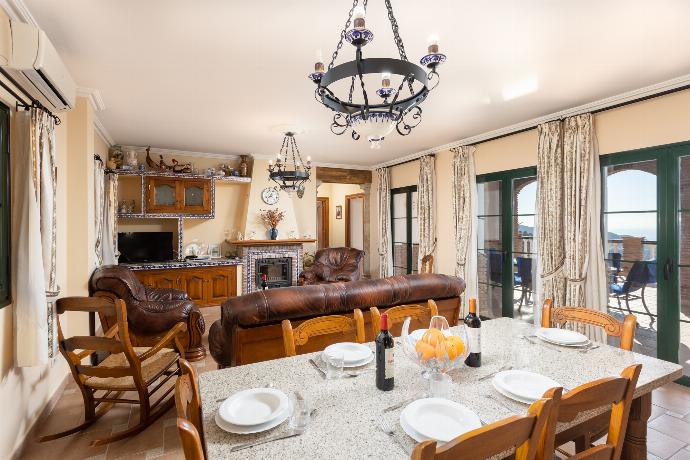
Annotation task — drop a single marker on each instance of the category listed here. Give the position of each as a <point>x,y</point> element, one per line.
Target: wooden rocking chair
<point>142,370</point>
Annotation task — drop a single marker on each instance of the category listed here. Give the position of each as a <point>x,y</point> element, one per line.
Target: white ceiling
<point>217,75</point>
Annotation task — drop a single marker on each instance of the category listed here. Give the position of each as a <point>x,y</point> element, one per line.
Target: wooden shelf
<point>295,241</point>
<point>236,179</point>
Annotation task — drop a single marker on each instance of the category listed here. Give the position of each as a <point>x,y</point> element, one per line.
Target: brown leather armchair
<point>333,265</point>
<point>151,312</point>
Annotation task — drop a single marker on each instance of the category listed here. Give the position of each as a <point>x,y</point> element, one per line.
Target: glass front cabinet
<point>166,195</point>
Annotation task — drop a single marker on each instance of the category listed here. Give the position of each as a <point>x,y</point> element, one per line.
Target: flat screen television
<point>145,246</point>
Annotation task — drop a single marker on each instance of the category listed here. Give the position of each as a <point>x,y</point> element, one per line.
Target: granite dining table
<point>346,422</point>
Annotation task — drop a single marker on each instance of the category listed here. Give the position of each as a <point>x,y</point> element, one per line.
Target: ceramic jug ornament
<point>131,158</point>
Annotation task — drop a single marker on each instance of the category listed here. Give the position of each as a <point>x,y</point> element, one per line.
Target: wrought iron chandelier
<point>290,178</point>
<point>396,111</point>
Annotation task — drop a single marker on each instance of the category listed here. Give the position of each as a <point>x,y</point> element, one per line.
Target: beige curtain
<point>109,250</point>
<point>465,219</point>
<point>425,208</point>
<point>105,201</point>
<point>550,244</point>
<point>570,253</point>
<point>34,248</point>
<point>99,204</point>
<point>584,269</point>
<point>384,200</point>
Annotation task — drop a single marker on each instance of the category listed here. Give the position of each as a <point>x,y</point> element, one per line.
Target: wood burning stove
<point>278,271</point>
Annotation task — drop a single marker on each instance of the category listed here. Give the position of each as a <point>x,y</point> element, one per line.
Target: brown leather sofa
<point>151,312</point>
<point>333,265</point>
<point>249,329</point>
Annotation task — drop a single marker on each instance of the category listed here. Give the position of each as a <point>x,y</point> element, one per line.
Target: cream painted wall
<point>100,147</point>
<point>336,197</point>
<point>300,213</point>
<point>231,212</point>
<point>658,121</point>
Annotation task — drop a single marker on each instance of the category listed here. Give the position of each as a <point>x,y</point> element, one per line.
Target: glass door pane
<point>524,254</point>
<point>630,218</point>
<point>490,249</point>
<point>684,264</point>
<point>400,236</point>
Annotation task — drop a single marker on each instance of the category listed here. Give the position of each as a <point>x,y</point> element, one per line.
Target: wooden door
<point>354,221</point>
<point>194,284</point>
<point>221,285</point>
<point>162,195</point>
<point>195,196</point>
<point>322,222</point>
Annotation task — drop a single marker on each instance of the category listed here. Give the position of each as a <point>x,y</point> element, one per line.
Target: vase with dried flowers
<point>272,218</point>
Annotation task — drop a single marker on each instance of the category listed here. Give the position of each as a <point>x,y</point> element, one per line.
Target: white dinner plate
<point>253,407</point>
<point>439,419</point>
<point>562,336</point>
<point>525,385</point>
<point>238,429</point>
<point>509,395</point>
<point>354,354</point>
<point>411,432</point>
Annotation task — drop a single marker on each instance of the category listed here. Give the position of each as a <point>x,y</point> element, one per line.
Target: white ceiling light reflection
<point>521,88</point>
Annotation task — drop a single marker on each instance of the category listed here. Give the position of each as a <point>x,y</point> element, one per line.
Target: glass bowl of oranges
<point>436,349</point>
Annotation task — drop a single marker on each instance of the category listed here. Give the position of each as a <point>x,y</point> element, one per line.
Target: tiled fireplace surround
<point>250,254</point>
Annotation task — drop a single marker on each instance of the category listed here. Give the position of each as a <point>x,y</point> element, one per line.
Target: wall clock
<point>270,195</point>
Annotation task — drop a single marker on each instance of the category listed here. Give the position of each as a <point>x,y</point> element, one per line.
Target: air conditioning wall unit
<point>32,62</point>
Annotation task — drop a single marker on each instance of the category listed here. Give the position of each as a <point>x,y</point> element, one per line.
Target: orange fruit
<point>455,347</point>
<point>425,350</point>
<point>433,337</point>
<point>440,350</point>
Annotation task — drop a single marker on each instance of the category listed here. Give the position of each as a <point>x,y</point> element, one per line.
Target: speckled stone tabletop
<point>345,424</point>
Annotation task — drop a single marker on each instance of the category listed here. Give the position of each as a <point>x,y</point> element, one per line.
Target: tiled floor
<point>669,427</point>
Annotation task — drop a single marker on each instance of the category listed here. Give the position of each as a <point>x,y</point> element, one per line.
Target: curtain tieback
<point>577,280</point>
<point>552,273</point>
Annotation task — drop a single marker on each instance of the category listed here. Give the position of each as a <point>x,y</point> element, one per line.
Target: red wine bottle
<point>473,327</point>
<point>264,284</point>
<point>384,357</point>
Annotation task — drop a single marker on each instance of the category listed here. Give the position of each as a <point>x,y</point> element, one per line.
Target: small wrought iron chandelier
<point>376,121</point>
<point>290,179</point>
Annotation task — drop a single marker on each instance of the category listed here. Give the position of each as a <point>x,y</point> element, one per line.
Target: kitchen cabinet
<point>205,286</point>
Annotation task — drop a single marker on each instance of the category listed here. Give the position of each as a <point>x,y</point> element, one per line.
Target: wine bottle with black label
<point>384,357</point>
<point>473,327</point>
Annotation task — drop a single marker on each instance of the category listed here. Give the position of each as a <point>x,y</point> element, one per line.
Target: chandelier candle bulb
<point>359,14</point>
<point>386,80</point>
<point>433,44</point>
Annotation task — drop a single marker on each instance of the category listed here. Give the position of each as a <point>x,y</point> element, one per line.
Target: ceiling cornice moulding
<point>602,104</point>
<point>94,97</point>
<point>18,11</point>
<point>319,163</point>
<point>102,132</point>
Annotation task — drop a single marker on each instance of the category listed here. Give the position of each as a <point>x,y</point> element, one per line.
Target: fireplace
<point>278,271</point>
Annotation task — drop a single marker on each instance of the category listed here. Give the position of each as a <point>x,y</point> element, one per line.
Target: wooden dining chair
<point>189,419</point>
<point>616,392</point>
<point>522,432</point>
<point>143,371</point>
<point>323,325</point>
<point>560,316</point>
<point>397,315</point>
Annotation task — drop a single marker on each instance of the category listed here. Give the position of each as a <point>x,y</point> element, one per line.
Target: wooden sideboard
<point>206,286</point>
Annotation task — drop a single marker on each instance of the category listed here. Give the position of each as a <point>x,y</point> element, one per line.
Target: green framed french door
<point>506,259</point>
<point>404,230</point>
<point>646,232</point>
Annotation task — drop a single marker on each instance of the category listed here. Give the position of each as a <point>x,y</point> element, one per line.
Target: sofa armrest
<point>308,276</point>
